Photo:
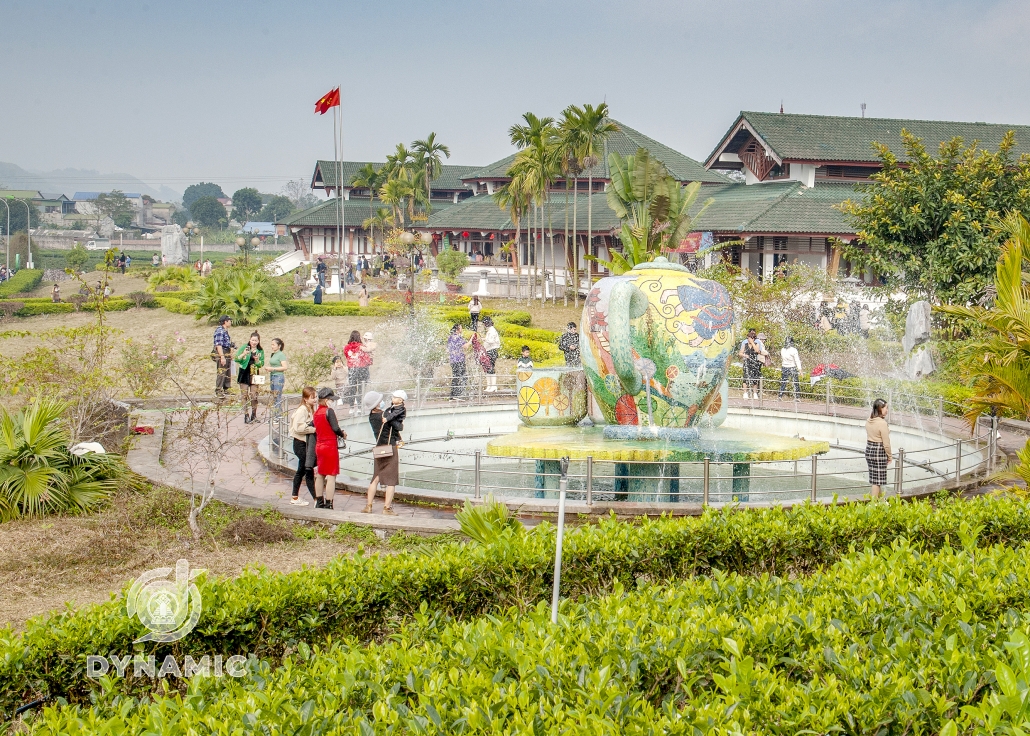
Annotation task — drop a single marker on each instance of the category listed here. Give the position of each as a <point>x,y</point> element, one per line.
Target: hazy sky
<point>178,92</point>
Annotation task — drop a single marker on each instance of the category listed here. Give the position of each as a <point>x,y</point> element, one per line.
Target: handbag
<point>386,450</point>
<point>310,458</point>
<point>257,380</point>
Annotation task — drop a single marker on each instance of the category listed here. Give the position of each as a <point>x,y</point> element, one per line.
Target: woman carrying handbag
<point>387,423</point>
<point>327,449</point>
<point>302,430</point>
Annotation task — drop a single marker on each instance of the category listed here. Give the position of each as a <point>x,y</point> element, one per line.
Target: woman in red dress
<point>327,452</point>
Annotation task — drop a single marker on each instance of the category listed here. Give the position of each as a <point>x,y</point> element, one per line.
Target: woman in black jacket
<point>386,428</point>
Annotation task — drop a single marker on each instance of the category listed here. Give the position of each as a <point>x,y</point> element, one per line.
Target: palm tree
<point>999,362</point>
<point>595,127</point>
<point>538,155</point>
<point>38,474</point>
<point>514,197</point>
<point>378,222</point>
<point>396,193</point>
<point>571,137</point>
<point>400,164</point>
<point>367,177</point>
<point>428,156</point>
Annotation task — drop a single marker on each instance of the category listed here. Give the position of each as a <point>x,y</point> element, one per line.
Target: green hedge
<point>307,308</point>
<point>540,352</point>
<point>185,295</point>
<point>45,306</point>
<point>269,613</point>
<point>176,306</point>
<point>901,641</point>
<point>528,333</point>
<point>461,316</point>
<point>22,282</point>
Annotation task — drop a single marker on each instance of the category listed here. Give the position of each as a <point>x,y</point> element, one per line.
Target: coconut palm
<point>595,127</point>
<point>380,220</point>
<point>38,473</point>
<point>427,154</point>
<point>400,164</point>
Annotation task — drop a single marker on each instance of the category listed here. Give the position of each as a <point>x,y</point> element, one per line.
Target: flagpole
<point>343,216</point>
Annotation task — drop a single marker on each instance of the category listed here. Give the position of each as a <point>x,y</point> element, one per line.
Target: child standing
<point>525,363</point>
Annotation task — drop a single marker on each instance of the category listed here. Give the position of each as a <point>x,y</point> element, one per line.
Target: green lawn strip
<point>895,641</point>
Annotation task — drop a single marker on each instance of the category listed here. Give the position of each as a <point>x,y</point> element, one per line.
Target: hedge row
<point>267,614</point>
<point>540,352</point>
<point>528,333</point>
<point>303,307</point>
<point>176,306</point>
<point>22,282</point>
<point>462,316</point>
<point>895,642</point>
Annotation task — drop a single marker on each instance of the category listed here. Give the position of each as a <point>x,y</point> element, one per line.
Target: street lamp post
<point>190,230</point>
<point>7,234</point>
<point>28,240</point>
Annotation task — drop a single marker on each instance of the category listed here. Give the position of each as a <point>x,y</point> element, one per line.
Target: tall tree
<point>279,207</point>
<point>571,136</point>
<point>397,193</point>
<point>379,221</point>
<point>115,205</point>
<point>209,212</point>
<point>514,197</point>
<point>246,203</point>
<point>428,153</point>
<point>595,127</point>
<point>931,224</point>
<point>203,189</point>
<point>537,140</point>
<point>368,177</point>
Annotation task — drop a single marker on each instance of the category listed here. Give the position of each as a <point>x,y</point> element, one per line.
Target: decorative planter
<point>453,288</point>
<point>551,397</point>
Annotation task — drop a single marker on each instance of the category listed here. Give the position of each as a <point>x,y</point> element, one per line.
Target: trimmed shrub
<point>22,282</point>
<point>269,614</point>
<point>306,308</point>
<point>527,333</point>
<point>511,347</point>
<point>175,306</point>
<point>44,306</point>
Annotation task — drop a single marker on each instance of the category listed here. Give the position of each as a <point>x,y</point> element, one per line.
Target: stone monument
<point>917,331</point>
<point>173,246</point>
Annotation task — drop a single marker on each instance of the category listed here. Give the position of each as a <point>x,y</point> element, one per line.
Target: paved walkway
<point>245,480</point>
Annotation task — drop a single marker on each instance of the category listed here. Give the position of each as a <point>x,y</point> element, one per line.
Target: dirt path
<point>48,563</point>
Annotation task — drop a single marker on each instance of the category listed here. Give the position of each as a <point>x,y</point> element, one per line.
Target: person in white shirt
<point>790,367</point>
<point>492,346</point>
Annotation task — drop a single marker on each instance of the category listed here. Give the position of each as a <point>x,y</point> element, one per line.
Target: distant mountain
<point>69,181</point>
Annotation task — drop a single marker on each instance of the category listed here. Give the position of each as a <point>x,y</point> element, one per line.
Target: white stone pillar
<point>767,267</point>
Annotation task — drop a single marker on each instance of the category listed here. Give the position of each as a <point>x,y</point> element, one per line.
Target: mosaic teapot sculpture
<point>656,343</point>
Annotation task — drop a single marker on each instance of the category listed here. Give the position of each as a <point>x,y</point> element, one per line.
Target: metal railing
<point>963,456</point>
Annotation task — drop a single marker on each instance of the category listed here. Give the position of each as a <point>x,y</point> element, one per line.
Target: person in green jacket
<point>250,358</point>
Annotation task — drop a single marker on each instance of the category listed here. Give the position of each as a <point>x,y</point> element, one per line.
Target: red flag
<point>330,99</point>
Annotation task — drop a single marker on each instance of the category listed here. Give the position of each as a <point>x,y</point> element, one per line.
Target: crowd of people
<point>756,356</point>
<point>844,318</point>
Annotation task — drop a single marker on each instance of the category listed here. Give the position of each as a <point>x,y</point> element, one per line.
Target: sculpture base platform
<point>646,468</point>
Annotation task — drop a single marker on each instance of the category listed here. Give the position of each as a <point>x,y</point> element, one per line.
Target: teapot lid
<point>660,263</point>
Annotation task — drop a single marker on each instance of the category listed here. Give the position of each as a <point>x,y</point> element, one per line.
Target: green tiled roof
<point>450,175</point>
<point>482,213</point>
<point>830,138</point>
<point>625,141</point>
<point>355,211</point>
<point>781,207</point>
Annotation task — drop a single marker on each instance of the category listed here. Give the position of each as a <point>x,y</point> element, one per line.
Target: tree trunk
<point>554,263</point>
<point>590,216</point>
<point>565,244</point>
<point>575,244</point>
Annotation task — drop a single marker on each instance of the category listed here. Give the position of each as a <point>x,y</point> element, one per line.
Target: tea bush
<point>540,352</point>
<point>895,641</point>
<point>365,597</point>
<point>22,282</point>
<point>306,308</point>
